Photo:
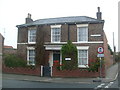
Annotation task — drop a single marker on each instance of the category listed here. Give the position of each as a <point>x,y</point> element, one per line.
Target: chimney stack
<point>99,14</point>
<point>28,19</point>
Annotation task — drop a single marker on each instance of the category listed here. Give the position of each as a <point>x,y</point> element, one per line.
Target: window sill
<point>31,42</point>
<point>31,64</point>
<point>55,42</point>
<point>82,41</point>
<point>83,66</point>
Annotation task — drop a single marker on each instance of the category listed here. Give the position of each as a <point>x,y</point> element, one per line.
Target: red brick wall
<point>108,57</point>
<point>20,70</point>
<point>76,73</point>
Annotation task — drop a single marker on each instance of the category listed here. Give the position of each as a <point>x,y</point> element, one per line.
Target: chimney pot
<point>28,19</point>
<point>98,9</point>
<point>99,14</point>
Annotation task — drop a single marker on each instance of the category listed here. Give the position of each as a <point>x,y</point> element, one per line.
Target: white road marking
<point>109,85</point>
<point>99,86</point>
<point>103,84</point>
<point>116,76</point>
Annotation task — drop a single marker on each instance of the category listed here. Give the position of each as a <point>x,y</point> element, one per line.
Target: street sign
<point>100,55</point>
<point>68,59</point>
<point>100,50</point>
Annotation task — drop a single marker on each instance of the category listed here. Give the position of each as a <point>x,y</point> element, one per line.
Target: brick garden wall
<point>55,72</point>
<point>21,70</point>
<point>76,73</point>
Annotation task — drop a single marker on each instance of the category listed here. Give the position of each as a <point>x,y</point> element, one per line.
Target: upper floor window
<point>32,36</point>
<point>82,32</point>
<point>55,33</point>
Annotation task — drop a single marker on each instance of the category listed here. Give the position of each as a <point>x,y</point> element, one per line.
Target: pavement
<point>111,75</point>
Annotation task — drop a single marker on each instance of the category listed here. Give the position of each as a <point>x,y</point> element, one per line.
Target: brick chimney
<point>99,14</point>
<point>28,19</point>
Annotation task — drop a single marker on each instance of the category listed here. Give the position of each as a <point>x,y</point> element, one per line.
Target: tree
<point>117,57</point>
<point>109,48</point>
<point>40,49</point>
<point>69,51</point>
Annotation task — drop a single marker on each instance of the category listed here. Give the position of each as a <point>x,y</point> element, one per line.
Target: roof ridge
<point>60,20</point>
<point>59,17</point>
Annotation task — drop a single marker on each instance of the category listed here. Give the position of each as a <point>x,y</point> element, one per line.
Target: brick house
<point>85,32</point>
<point>1,49</point>
<point>9,50</point>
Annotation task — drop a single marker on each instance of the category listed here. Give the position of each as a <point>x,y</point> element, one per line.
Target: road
<point>11,83</point>
<point>8,83</point>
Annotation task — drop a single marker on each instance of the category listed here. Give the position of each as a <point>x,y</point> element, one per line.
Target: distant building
<point>119,27</point>
<point>1,48</point>
<point>119,38</point>
<point>85,32</point>
<point>9,50</point>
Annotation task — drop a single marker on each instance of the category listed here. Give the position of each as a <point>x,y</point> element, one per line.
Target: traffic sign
<point>100,50</point>
<point>100,55</point>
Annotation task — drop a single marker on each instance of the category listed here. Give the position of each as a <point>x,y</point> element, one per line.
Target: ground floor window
<point>82,58</point>
<point>31,57</point>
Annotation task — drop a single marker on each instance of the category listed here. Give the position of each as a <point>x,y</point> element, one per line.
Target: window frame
<point>28,49</point>
<point>83,48</point>
<point>53,27</point>
<point>29,31</point>
<point>81,26</point>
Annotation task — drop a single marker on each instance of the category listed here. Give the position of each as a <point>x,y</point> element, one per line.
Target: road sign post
<point>100,68</point>
<point>100,51</point>
<point>100,55</point>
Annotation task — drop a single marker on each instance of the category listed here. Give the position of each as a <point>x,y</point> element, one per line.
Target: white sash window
<point>31,36</point>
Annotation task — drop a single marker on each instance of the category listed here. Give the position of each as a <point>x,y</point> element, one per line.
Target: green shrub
<point>69,51</point>
<point>95,65</point>
<point>11,60</point>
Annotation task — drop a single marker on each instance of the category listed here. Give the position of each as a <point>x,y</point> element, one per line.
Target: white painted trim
<point>66,42</point>
<point>52,58</point>
<point>55,26</point>
<point>29,35</point>
<point>1,53</point>
<point>28,43</point>
<point>41,70</point>
<point>83,66</point>
<point>30,48</point>
<point>22,43</point>
<point>96,35</point>
<point>82,47</point>
<point>60,58</point>
<point>31,42</point>
<point>82,25</point>
<point>27,56</point>
<point>77,42</point>
<point>88,42</point>
<point>51,34</point>
<point>51,71</point>
<point>53,47</point>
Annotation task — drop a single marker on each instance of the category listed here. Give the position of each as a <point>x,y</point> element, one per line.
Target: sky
<point>14,12</point>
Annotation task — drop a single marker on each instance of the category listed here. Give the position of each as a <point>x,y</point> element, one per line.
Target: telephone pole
<point>114,49</point>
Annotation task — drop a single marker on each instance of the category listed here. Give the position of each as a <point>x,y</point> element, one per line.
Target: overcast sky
<point>14,12</point>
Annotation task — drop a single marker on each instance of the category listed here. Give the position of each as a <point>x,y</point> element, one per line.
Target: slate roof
<point>63,20</point>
